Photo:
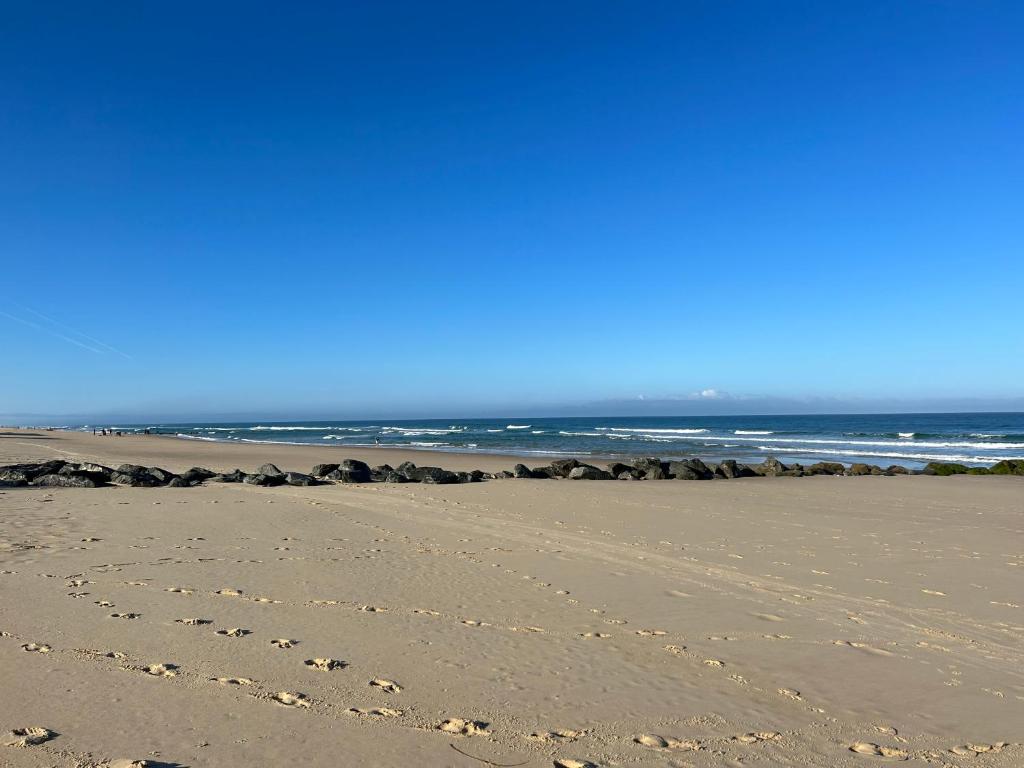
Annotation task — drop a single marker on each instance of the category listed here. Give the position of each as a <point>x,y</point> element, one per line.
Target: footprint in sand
<point>263,600</point>
<point>756,736</point>
<point>568,762</point>
<point>654,741</point>
<point>973,750</point>
<point>934,592</point>
<point>194,622</point>
<point>28,737</point>
<point>651,632</point>
<point>325,665</point>
<point>527,629</point>
<point>77,595</point>
<point>714,662</point>
<point>228,592</point>
<point>790,693</point>
<point>426,612</point>
<point>234,632</point>
<point>615,621</point>
<point>372,609</point>
<point>91,538</point>
<point>233,680</point>
<point>79,583</point>
<point>459,727</point>
<point>282,642</point>
<point>125,615</point>
<point>291,699</point>
<point>677,650</point>
<point>180,590</point>
<point>564,736</point>
<point>386,685</point>
<point>161,670</point>
<point>104,603</point>
<point>376,712</point>
<point>36,647</point>
<point>874,750</point>
<point>595,634</point>
<point>863,647</point>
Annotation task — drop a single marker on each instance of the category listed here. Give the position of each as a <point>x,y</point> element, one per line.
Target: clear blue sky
<point>460,208</point>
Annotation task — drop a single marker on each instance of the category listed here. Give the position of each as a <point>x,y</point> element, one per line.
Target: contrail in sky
<point>62,336</point>
<point>76,332</point>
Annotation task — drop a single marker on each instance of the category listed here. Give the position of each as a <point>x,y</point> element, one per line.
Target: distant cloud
<point>711,394</point>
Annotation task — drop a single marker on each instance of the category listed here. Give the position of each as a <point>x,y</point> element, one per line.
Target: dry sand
<point>752,622</point>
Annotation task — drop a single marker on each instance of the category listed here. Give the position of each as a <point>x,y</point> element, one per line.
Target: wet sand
<point>774,621</point>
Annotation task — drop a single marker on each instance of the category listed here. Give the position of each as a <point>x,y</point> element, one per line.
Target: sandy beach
<point>819,621</point>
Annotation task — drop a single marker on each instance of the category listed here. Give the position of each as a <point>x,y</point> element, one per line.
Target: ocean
<point>977,439</point>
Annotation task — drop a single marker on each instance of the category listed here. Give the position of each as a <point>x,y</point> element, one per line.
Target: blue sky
<point>473,208</point>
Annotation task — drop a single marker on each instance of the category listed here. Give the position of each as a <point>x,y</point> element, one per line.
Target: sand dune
<point>814,622</point>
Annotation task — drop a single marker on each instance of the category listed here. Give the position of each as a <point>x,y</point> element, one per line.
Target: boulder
<point>197,475</point>
<point>944,469</point>
<point>12,483</point>
<point>1007,467</point>
<point>14,476</point>
<point>379,473</point>
<point>770,467</point>
<point>162,476</point>
<point>178,482</point>
<point>98,474</point>
<point>858,469</point>
<point>395,477</point>
<point>588,472</point>
<point>297,478</point>
<point>690,469</point>
<point>270,470</point>
<point>543,473</point>
<point>521,471</point>
<point>730,470</point>
<point>503,474</point>
<point>647,464</point>
<point>562,467</point>
<point>30,471</point>
<point>628,474</point>
<point>466,477</point>
<point>896,469</point>
<point>978,471</point>
<point>351,471</point>
<point>655,473</point>
<point>478,475</point>
<point>437,476</point>
<point>322,470</point>
<point>235,476</point>
<point>135,480</point>
<point>63,481</point>
<point>826,468</point>
<point>261,479</point>
<point>616,468</point>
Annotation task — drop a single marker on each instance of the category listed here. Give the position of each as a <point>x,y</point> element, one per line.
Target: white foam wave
<point>894,455</point>
<point>581,434</point>
<point>646,430</point>
<point>906,435</point>
<point>828,441</point>
<point>518,426</point>
<point>197,437</point>
<point>752,432</point>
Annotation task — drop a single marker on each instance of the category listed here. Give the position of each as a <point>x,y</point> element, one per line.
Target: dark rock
<point>588,472</point>
<point>30,471</point>
<point>95,472</point>
<point>322,470</point>
<point>466,477</point>
<point>178,482</point>
<point>379,473</point>
<point>792,473</point>
<point>197,475</point>
<point>63,481</point>
<point>896,469</point>
<point>395,477</point>
<point>770,467</point>
<point>235,476</point>
<point>14,476</point>
<point>1007,467</point>
<point>437,476</point>
<point>503,475</point>
<point>979,471</point>
<point>478,475</point>
<point>628,474</point>
<point>826,468</point>
<point>730,470</point>
<point>12,483</point>
<point>261,479</point>
<point>617,468</point>
<point>562,467</point>
<point>351,471</point>
<point>406,467</point>
<point>860,469</point>
<point>162,476</point>
<point>655,473</point>
<point>690,469</point>
<point>139,480</point>
<point>543,473</point>
<point>270,470</point>
<point>944,469</point>
<point>521,471</point>
<point>297,478</point>
<point>648,464</point>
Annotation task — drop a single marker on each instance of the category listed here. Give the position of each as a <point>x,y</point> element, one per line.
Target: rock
<point>63,481</point>
<point>395,477</point>
<point>136,480</point>
<point>379,473</point>
<point>322,470</point>
<point>14,476</point>
<point>978,471</point>
<point>235,476</point>
<point>588,472</point>
<point>437,476</point>
<point>270,470</point>
<point>562,467</point>
<point>655,473</point>
<point>944,469</point>
<point>261,479</point>
<point>770,467</point>
<point>690,469</point>
<point>478,474</point>
<point>826,468</point>
<point>616,468</point>
<point>896,469</point>
<point>859,469</point>
<point>162,476</point>
<point>1007,467</point>
<point>648,464</point>
<point>628,474</point>
<point>543,473</point>
<point>297,478</point>
<point>179,482</point>
<point>30,471</point>
<point>197,475</point>
<point>406,467</point>
<point>730,470</point>
<point>351,471</point>
<point>466,477</point>
<point>521,471</point>
<point>13,483</point>
<point>503,474</point>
